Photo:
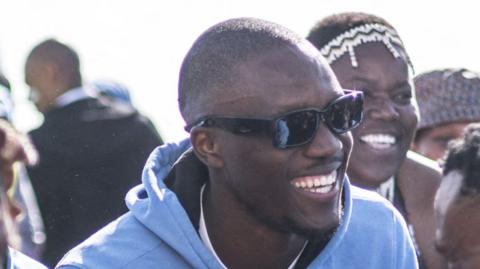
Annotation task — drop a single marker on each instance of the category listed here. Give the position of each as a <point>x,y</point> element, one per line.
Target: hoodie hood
<point>161,210</point>
<point>157,207</point>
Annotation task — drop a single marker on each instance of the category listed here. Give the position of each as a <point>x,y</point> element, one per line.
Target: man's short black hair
<point>464,155</point>
<point>208,66</point>
<point>63,56</point>
<point>332,26</point>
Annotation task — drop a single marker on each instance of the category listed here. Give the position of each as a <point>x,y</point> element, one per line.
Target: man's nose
<point>325,144</point>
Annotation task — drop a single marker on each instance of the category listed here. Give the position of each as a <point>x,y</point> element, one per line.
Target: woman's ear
<point>206,147</point>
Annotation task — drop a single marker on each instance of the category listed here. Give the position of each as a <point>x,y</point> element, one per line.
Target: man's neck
<point>240,239</point>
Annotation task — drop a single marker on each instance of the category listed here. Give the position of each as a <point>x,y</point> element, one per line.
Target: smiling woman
<point>367,54</point>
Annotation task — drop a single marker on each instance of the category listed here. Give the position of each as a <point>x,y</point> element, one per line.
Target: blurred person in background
<point>458,202</point>
<point>448,100</point>
<point>30,224</point>
<point>115,92</point>
<point>14,149</point>
<point>91,151</point>
<point>367,54</point>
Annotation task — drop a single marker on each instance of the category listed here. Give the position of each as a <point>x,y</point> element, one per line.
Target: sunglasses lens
<point>295,129</point>
<point>345,114</point>
<point>300,127</point>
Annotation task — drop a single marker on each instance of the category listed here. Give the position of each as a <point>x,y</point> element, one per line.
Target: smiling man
<point>457,203</point>
<point>261,182</point>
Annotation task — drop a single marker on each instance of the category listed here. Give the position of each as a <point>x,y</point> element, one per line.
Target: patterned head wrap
<point>347,41</point>
<point>446,96</point>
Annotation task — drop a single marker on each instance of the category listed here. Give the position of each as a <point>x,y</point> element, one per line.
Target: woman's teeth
<point>318,183</point>
<point>379,141</point>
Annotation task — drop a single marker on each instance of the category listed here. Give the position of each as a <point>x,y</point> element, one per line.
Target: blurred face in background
<point>432,142</point>
<point>39,77</point>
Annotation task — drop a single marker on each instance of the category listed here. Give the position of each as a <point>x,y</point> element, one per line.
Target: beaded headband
<point>362,34</point>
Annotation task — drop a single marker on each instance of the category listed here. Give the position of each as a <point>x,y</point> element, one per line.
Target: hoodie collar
<point>157,207</point>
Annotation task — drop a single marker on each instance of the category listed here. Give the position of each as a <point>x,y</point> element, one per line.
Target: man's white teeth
<point>379,141</point>
<point>320,183</point>
<point>325,189</point>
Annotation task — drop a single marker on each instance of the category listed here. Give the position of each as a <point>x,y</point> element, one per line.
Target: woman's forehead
<point>375,65</point>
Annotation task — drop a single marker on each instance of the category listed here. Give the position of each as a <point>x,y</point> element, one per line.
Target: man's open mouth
<point>316,183</point>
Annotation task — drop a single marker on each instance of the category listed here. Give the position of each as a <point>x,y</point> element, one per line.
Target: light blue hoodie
<point>157,232</point>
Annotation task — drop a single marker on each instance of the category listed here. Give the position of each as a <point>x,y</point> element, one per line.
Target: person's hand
<point>14,147</point>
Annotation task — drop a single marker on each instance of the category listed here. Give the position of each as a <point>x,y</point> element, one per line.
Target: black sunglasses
<point>297,127</point>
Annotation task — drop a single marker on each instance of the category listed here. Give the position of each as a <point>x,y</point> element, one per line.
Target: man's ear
<point>50,71</point>
<point>206,147</point>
